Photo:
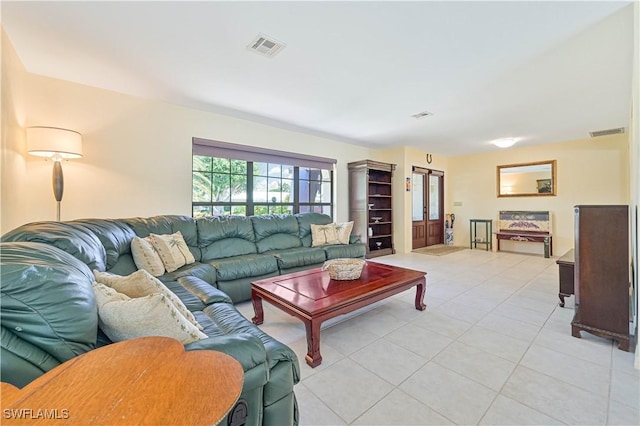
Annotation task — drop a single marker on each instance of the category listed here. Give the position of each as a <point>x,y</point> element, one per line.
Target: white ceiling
<point>354,71</point>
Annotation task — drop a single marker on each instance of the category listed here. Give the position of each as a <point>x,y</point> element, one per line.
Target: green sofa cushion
<point>203,271</point>
<point>114,235</point>
<point>47,299</point>
<point>297,257</point>
<point>225,236</point>
<point>284,370</point>
<point>190,300</point>
<point>278,242</point>
<point>166,224</point>
<point>207,293</point>
<point>240,290</point>
<point>76,240</point>
<point>22,362</point>
<point>304,225</point>
<point>229,247</point>
<point>247,266</point>
<point>228,319</point>
<point>247,349</point>
<point>124,266</point>
<point>275,232</point>
<point>345,250</point>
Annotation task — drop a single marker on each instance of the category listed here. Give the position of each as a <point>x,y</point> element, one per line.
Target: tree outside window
<point>223,186</point>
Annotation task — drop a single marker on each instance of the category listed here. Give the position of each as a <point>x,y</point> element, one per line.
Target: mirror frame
<point>554,180</point>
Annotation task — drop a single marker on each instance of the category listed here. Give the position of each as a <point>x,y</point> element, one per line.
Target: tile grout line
<point>539,282</point>
<point>532,342</point>
<point>524,353</point>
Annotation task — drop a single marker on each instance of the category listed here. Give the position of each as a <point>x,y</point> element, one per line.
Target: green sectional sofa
<point>48,312</point>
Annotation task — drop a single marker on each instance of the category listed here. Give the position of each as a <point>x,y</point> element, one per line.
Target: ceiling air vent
<point>265,46</point>
<point>607,132</point>
<point>422,114</point>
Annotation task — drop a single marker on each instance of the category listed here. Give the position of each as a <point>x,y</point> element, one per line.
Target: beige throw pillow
<point>321,235</point>
<point>142,283</point>
<point>172,250</point>
<point>146,257</point>
<point>343,230</point>
<point>123,318</point>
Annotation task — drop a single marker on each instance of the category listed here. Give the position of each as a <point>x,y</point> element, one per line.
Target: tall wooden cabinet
<point>602,272</point>
<point>370,205</point>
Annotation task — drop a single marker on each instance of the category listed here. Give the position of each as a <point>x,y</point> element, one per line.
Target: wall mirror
<point>527,179</point>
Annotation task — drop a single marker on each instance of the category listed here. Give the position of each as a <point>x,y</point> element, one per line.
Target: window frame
<point>224,150</point>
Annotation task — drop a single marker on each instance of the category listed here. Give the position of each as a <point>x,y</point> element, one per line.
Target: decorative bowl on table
<point>344,269</point>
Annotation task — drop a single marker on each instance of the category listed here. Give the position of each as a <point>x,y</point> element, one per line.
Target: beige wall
<point>137,153</point>
<point>405,158</point>
<point>12,164</point>
<point>635,166</point>
<point>590,171</point>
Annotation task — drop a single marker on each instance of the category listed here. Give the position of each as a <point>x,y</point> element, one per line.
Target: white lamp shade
<point>54,142</point>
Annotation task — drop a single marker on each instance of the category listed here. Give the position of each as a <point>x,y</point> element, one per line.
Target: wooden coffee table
<point>314,297</point>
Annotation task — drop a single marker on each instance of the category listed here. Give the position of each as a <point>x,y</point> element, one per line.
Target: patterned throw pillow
<point>172,250</point>
<point>142,283</point>
<point>123,318</point>
<point>146,257</point>
<point>321,235</point>
<point>343,231</point>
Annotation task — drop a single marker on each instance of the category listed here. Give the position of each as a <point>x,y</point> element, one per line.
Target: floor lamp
<point>56,144</point>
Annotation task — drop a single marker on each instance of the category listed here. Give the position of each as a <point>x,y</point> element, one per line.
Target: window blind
<point>251,153</point>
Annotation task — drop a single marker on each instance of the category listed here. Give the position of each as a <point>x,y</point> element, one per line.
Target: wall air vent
<point>422,114</point>
<point>265,46</point>
<point>607,132</point>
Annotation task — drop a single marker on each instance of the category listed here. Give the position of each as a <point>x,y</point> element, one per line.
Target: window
<point>226,181</point>
<point>273,188</point>
<point>315,189</point>
<point>434,196</point>
<point>219,186</point>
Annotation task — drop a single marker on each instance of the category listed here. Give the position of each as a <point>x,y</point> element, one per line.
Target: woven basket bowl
<point>344,269</point>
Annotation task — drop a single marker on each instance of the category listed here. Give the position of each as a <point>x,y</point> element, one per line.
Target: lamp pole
<point>57,179</point>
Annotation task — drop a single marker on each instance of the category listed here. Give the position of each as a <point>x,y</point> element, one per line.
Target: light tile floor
<point>492,347</point>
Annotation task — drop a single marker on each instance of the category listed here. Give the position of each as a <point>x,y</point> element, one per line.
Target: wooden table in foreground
<point>314,297</point>
<point>151,380</point>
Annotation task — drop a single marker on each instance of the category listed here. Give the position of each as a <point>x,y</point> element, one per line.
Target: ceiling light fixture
<point>504,142</point>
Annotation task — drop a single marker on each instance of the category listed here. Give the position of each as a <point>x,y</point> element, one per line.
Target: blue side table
<point>488,230</point>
